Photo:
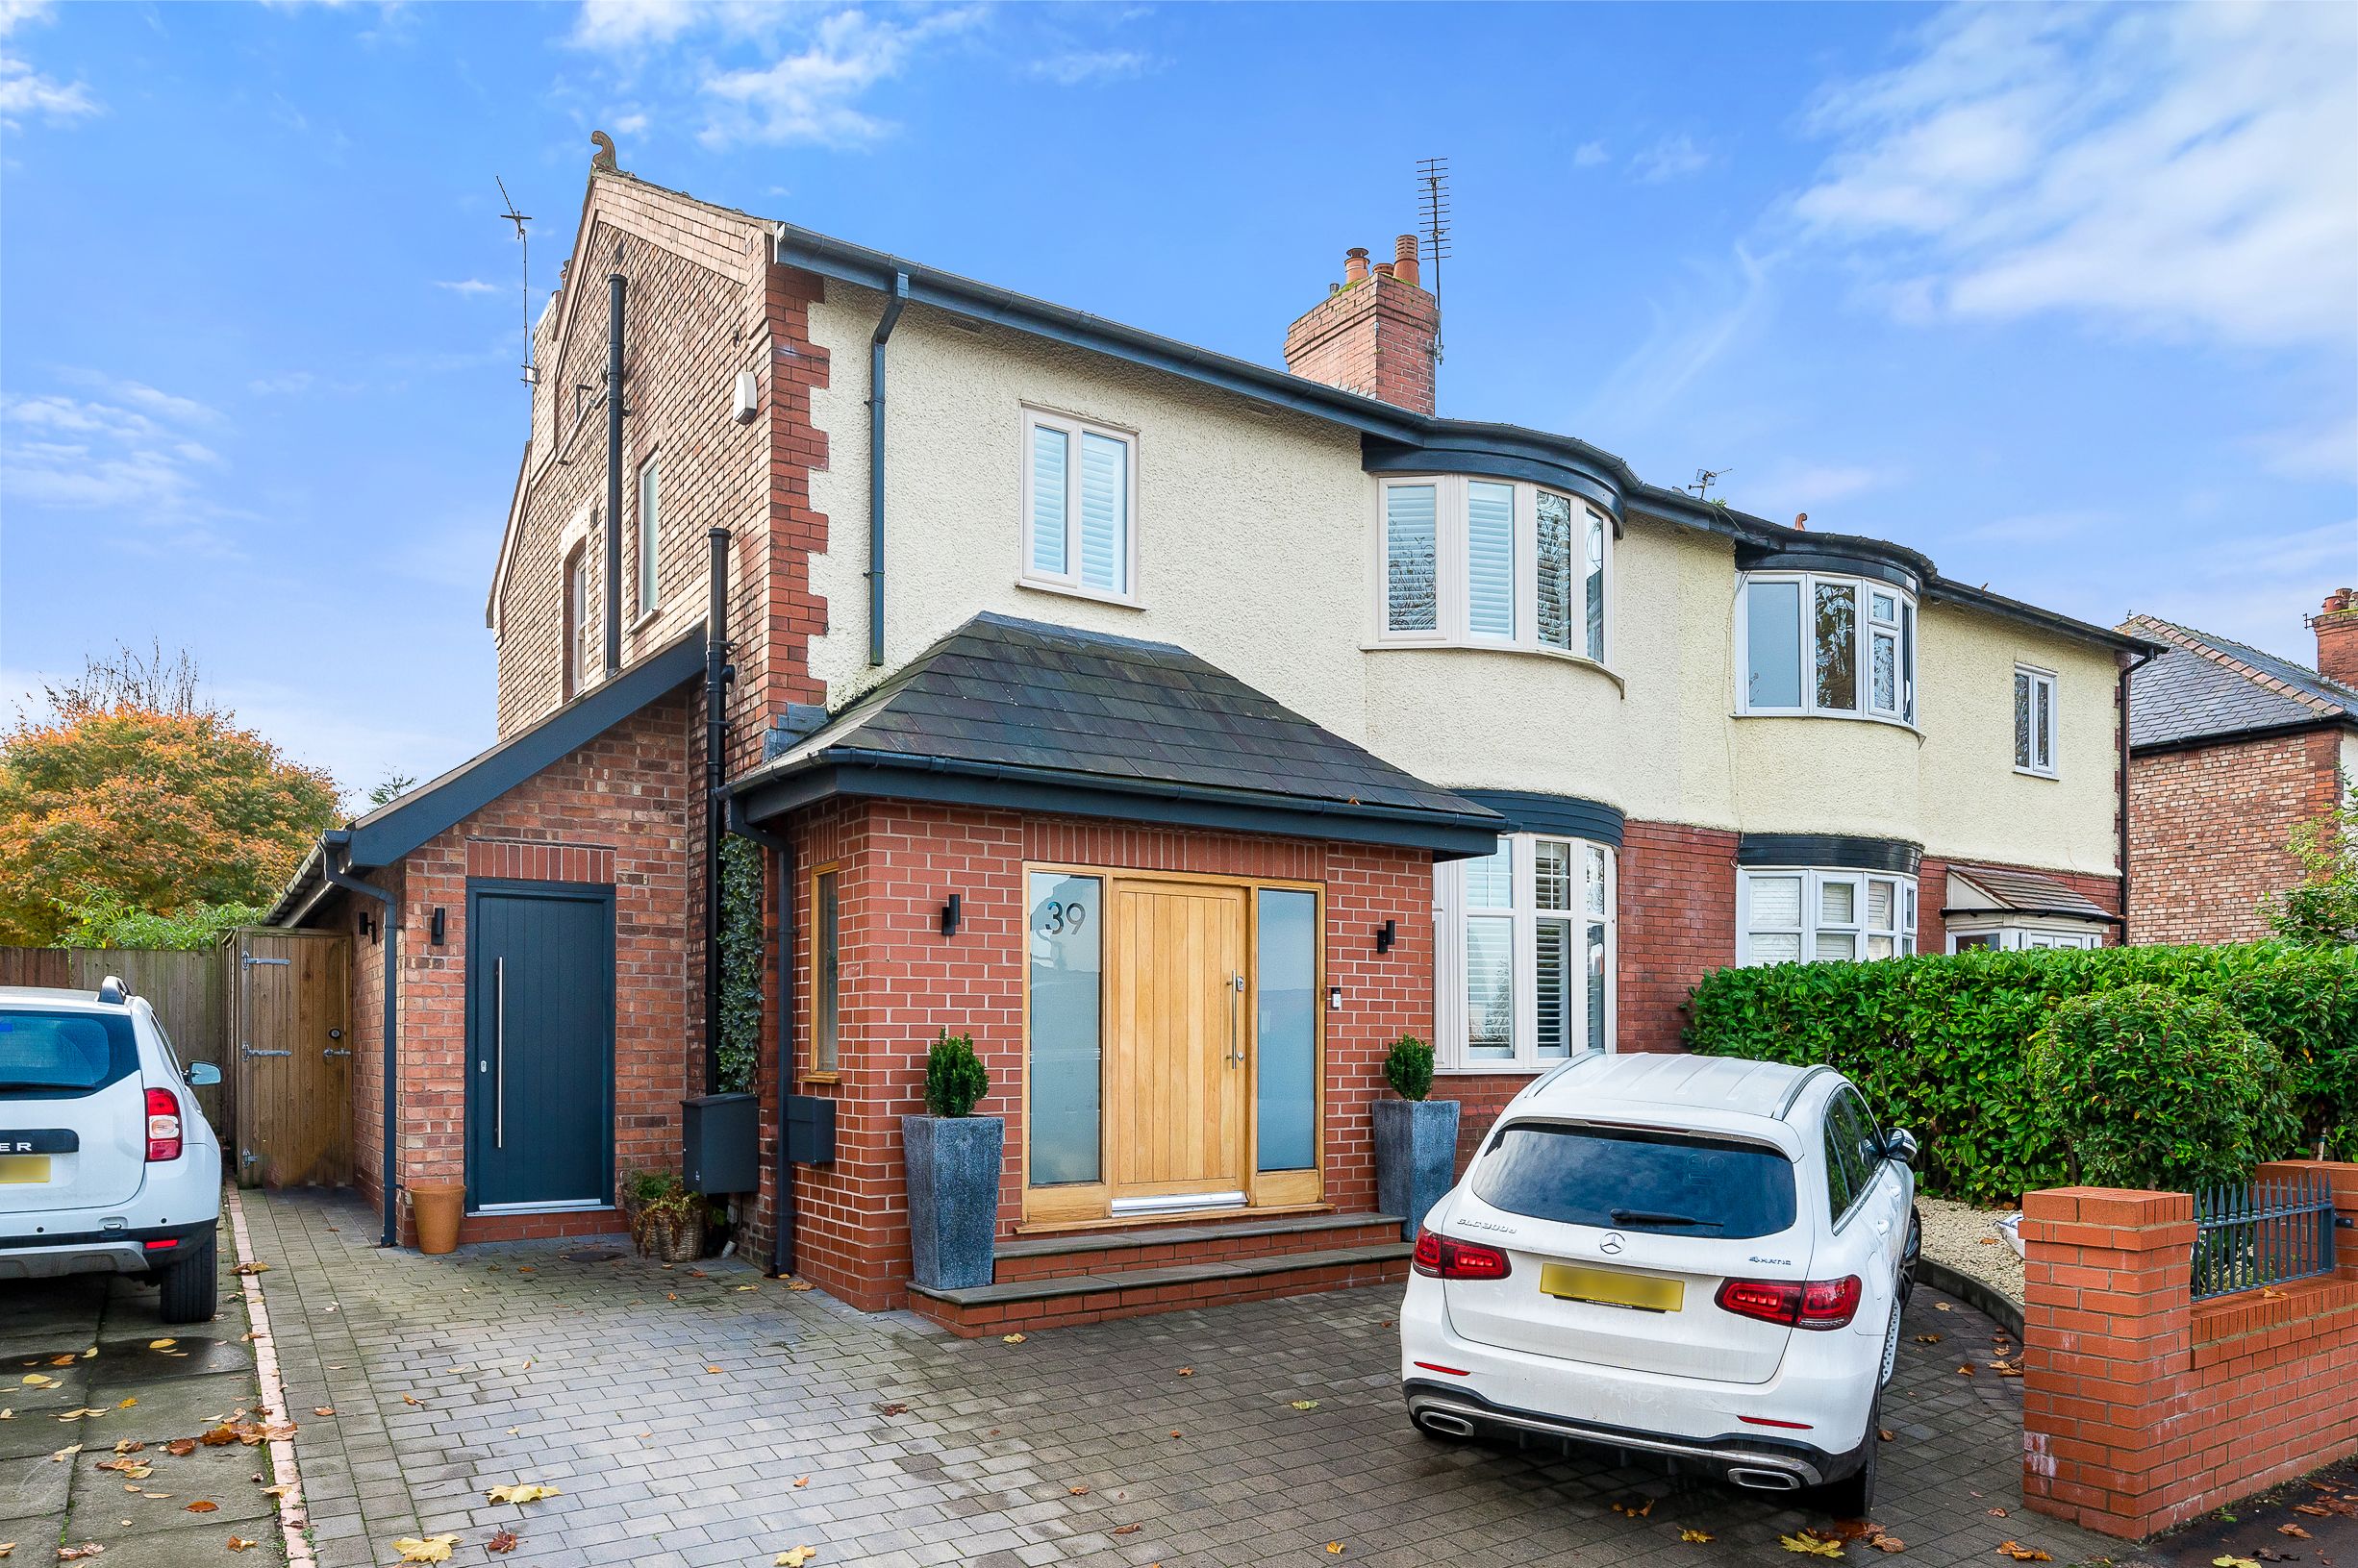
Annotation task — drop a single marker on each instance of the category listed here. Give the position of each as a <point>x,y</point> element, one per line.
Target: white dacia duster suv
<point>107,1166</point>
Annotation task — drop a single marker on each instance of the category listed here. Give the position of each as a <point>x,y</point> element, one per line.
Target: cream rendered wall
<point>1256,550</point>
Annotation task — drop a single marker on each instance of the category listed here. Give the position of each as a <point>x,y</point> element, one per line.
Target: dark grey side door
<point>540,1045</point>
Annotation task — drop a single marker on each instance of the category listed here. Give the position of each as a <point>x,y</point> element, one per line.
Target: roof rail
<point>1794,1094</point>
<point>112,989</point>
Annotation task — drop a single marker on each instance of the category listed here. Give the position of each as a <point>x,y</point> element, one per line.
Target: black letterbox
<point>723,1143</point>
<point>809,1130</point>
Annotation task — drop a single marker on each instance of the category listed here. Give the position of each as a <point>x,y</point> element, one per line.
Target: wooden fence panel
<point>185,989</point>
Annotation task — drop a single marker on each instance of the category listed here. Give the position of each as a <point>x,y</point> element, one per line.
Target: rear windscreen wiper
<point>1647,1216</point>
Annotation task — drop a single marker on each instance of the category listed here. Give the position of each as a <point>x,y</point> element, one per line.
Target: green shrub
<point>1409,1068</point>
<point>2160,1089</point>
<point>109,922</point>
<point>955,1079</point>
<point>742,939</point>
<point>1940,1043</point>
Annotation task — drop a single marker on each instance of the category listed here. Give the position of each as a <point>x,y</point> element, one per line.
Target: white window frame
<point>1069,581</point>
<point>1450,914</point>
<point>2015,933</point>
<point>1901,932</point>
<point>647,540</point>
<point>2038,678</point>
<point>1453,576</point>
<point>1908,636</point>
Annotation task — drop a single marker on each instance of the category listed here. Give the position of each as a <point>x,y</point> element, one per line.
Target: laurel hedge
<point>1941,1045</point>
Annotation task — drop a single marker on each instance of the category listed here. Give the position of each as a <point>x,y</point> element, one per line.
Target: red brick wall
<point>2142,1410</point>
<point>616,812</point>
<point>1373,336</point>
<point>1677,925</point>
<point>903,983</point>
<point>2208,828</point>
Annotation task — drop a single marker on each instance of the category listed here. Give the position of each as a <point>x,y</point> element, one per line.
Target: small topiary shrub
<point>1409,1068</point>
<point>955,1079</point>
<point>2160,1089</point>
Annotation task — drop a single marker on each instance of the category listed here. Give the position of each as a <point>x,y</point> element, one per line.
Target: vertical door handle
<point>499,1052</point>
<point>1236,1042</point>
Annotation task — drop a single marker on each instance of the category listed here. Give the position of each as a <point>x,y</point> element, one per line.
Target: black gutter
<point>897,298</point>
<point>2233,737</point>
<point>782,851</point>
<point>2121,712</point>
<point>717,674</point>
<point>336,853</point>
<point>616,288</point>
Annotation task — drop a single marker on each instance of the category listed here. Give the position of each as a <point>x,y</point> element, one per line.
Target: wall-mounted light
<point>1386,934</point>
<point>437,926</point>
<point>1334,999</point>
<point>951,913</point>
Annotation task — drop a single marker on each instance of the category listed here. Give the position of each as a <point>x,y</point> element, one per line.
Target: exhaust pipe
<point>1765,1481</point>
<point>1448,1425</point>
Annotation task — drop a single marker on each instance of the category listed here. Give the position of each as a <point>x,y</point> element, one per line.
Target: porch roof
<point>2013,891</point>
<point>403,824</point>
<point>1029,716</point>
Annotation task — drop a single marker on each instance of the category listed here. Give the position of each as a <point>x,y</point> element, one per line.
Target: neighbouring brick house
<point>1184,730</point>
<point>2230,749</point>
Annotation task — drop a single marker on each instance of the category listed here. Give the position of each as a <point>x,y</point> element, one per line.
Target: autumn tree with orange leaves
<point>108,801</point>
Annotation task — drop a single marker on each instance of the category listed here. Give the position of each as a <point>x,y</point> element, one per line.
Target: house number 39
<point>1057,918</point>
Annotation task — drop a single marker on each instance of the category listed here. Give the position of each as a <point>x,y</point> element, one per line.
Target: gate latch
<point>330,1051</point>
<point>251,1052</point>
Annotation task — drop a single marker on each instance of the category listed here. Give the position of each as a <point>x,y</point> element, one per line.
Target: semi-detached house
<point>1183,729</point>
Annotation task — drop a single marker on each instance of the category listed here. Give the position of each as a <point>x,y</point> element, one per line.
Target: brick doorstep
<point>1010,1305</point>
<point>1155,1246</point>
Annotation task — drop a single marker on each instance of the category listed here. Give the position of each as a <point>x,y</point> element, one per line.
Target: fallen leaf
<point>2020,1552</point>
<point>220,1437</point>
<point>75,1554</point>
<point>2233,1562</point>
<point>1809,1546</point>
<point>712,1369</point>
<point>432,1548</point>
<point>1335,1547</point>
<point>1011,1340</point>
<point>1964,1372</point>
<point>1997,1513</point>
<point>1123,1530</point>
<point>1174,1431</point>
<point>239,1543</point>
<point>323,1409</point>
<point>161,1344</point>
<point>201,1506</point>
<point>1186,1372</point>
<point>895,1407</point>
<point>1077,1491</point>
<point>1927,1339</point>
<point>1943,1307</point>
<point>181,1446</point>
<point>522,1492</point>
<point>251,1268</point>
<point>40,1380</point>
<point>795,1558</point>
<point>409,1398</point>
<point>126,1403</point>
<point>1885,1433</point>
<point>281,1491</point>
<point>798,1285</point>
<point>503,1542</point>
<point>132,1468</point>
<point>64,1453</point>
<point>68,1359</point>
<point>1698,1537</point>
<point>1988,1241</point>
<point>1305,1403</point>
<point>2295,1530</point>
<point>748,1287</point>
<point>1883,1541</point>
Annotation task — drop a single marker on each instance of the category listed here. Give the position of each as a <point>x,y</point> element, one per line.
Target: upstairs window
<point>1079,492</point>
<point>2034,722</point>
<point>1800,914</point>
<point>650,538</point>
<point>1491,564</point>
<point>573,656</point>
<point>1815,644</point>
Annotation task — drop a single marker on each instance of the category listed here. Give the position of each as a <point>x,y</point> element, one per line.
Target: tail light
<point>1444,1257</point>
<point>163,1125</point>
<point>1798,1303</point>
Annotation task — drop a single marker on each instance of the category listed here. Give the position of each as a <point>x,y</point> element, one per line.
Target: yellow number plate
<point>1571,1282</point>
<point>18,1170</point>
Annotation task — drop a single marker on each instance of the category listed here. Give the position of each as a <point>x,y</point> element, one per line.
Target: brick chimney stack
<point>2337,637</point>
<point>1375,333</point>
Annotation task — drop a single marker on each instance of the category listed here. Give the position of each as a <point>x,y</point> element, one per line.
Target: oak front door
<point>1179,1037</point>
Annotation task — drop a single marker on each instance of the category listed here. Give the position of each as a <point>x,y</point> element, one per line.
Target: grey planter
<point>1415,1158</point>
<point>952,1165</point>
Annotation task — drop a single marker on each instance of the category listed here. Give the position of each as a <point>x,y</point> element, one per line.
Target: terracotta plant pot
<point>435,1207</point>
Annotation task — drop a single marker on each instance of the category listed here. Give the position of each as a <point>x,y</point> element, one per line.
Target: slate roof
<point>1026,700</point>
<point>2207,687</point>
<point>2027,892</point>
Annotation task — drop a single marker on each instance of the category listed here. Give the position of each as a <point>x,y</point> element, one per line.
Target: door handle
<point>499,1052</point>
<point>330,1051</point>
<point>251,1052</point>
<point>1235,1041</point>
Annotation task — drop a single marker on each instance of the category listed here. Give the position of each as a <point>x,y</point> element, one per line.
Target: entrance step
<point>1111,1273</point>
<point>1205,1241</point>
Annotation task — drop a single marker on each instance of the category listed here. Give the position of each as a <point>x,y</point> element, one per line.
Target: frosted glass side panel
<point>1066,951</point>
<point>1286,1030</point>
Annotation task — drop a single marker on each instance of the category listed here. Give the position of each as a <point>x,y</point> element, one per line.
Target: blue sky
<point>2068,298</point>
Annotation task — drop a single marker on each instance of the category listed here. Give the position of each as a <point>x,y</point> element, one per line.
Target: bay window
<point>1802,914</point>
<point>1527,940</point>
<point>1819,644</point>
<point>1493,563</point>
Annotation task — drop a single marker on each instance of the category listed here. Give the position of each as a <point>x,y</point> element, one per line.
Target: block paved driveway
<point>527,1365</point>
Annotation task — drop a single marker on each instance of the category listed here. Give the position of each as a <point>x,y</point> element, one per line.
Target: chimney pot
<point>1355,264</point>
<point>1383,269</point>
<point>1404,263</point>
<point>2338,600</point>
<point>1380,342</point>
<point>2337,637</point>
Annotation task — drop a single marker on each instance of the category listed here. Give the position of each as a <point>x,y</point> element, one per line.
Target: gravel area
<point>1965,1239</point>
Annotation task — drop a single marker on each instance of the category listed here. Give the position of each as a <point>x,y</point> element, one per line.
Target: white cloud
<point>1075,66</point>
<point>1787,487</point>
<point>629,123</point>
<point>1700,321</point>
<point>1672,157</point>
<point>2181,169</point>
<point>811,95</point>
<point>1589,154</point>
<point>614,25</point>
<point>128,451</point>
<point>468,286</point>
<point>25,92</point>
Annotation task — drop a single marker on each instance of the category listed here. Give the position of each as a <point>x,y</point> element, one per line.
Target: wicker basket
<point>668,1236</point>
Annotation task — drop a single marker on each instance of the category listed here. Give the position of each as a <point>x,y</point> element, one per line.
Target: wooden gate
<point>185,989</point>
<point>288,991</point>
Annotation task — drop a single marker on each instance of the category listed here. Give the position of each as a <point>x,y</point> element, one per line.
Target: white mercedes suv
<point>107,1166</point>
<point>1688,1257</point>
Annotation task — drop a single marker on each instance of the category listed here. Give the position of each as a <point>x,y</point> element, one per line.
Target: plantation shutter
<point>1051,459</point>
<point>1105,504</point>
<point>1490,560</point>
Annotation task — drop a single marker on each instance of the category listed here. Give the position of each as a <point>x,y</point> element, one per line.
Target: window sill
<point>1498,1069</point>
<point>1559,655</point>
<point>815,1077</point>
<point>1069,591</point>
<point>645,619</point>
<point>1884,720</point>
<point>2051,775</point>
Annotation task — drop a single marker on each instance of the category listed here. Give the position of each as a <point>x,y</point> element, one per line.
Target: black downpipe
<point>782,859</point>
<point>335,864</point>
<point>875,465</point>
<point>616,288</point>
<point>717,677</point>
<point>2121,699</point>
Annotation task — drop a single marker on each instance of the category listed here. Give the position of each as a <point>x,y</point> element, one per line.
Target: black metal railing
<point>2265,1233</point>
